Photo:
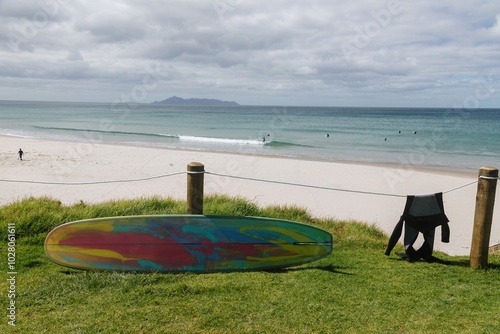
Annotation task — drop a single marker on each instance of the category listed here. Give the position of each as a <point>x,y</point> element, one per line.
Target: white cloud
<point>274,52</point>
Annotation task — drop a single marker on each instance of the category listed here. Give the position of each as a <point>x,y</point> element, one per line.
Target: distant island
<point>179,101</point>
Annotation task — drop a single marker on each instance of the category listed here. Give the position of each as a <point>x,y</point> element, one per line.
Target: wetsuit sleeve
<point>445,232</point>
<point>393,240</point>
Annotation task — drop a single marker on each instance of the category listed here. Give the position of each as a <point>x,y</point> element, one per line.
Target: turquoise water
<point>445,138</point>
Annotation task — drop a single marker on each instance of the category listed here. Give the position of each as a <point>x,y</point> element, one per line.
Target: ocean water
<point>455,139</point>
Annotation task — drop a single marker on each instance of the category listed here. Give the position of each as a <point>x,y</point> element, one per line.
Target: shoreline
<point>339,190</point>
<point>393,165</point>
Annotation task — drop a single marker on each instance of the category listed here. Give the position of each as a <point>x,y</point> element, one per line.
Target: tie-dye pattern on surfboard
<point>186,243</point>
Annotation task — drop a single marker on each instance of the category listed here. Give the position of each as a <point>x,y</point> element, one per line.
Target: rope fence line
<point>490,177</point>
<point>229,176</point>
<point>94,182</point>
<point>460,187</point>
<point>305,185</point>
<point>331,188</point>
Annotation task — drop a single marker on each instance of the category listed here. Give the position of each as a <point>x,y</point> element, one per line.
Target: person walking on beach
<point>20,154</point>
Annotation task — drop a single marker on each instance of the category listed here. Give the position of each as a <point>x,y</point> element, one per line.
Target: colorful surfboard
<point>180,243</point>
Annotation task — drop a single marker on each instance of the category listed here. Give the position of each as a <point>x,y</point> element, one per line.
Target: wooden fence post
<point>195,177</point>
<point>483,216</point>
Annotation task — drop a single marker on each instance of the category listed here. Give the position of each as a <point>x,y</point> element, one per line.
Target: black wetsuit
<point>422,214</point>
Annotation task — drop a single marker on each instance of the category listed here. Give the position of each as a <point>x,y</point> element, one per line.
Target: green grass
<point>357,289</point>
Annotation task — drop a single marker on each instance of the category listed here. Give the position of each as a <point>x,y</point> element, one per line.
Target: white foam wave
<point>16,133</point>
<point>226,141</point>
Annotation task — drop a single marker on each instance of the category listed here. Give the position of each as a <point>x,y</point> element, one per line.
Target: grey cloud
<point>278,50</point>
<point>111,28</point>
<point>26,9</point>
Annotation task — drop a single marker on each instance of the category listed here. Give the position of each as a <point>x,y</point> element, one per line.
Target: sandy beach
<point>371,194</point>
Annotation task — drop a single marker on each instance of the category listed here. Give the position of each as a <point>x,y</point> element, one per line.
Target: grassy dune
<point>357,289</point>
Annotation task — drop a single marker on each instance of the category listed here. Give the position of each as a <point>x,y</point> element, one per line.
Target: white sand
<point>53,161</point>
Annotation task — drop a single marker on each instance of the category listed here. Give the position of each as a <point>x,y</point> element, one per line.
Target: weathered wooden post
<point>195,177</point>
<point>483,216</point>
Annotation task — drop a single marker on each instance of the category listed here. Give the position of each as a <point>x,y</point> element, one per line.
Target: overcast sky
<point>424,53</point>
